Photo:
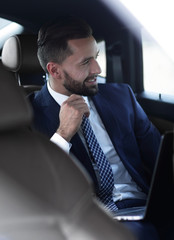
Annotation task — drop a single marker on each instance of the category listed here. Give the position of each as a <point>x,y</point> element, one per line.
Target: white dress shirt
<point>124,186</point>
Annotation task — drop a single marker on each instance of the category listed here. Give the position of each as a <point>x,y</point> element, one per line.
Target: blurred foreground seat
<point>44,194</point>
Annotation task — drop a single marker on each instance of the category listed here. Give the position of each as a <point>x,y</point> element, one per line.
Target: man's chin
<point>92,91</point>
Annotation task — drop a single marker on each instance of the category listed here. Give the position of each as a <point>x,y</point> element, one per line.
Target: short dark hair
<point>54,35</point>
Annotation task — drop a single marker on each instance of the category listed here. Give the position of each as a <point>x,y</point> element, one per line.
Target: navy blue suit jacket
<point>134,137</point>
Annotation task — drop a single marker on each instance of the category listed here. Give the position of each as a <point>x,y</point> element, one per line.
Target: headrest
<point>19,54</point>
<point>15,111</point>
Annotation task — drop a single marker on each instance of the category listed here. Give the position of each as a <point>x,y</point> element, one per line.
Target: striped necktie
<point>105,170</point>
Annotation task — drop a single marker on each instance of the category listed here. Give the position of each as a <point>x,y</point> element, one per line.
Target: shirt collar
<point>58,97</point>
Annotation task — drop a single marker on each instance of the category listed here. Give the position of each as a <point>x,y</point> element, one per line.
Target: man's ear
<point>54,69</point>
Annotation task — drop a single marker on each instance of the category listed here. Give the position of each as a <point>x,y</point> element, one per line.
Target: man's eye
<point>85,62</point>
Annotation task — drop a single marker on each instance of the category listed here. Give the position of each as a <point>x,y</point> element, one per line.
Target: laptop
<point>160,199</point>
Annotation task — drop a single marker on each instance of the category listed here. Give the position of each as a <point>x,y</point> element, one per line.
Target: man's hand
<point>71,113</point>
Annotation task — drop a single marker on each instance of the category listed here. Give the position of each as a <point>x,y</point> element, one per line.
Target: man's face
<point>80,70</point>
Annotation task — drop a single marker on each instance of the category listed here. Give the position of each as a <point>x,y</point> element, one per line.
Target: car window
<point>7,29</point>
<point>158,67</point>
<point>158,55</point>
<point>101,59</point>
<point>4,22</point>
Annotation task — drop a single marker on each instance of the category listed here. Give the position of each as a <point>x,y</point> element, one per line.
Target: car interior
<point>37,200</point>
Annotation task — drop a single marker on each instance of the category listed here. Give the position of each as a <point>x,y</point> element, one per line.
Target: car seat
<point>19,55</point>
<point>44,193</point>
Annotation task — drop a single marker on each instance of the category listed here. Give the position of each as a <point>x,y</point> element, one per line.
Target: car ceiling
<point>32,14</point>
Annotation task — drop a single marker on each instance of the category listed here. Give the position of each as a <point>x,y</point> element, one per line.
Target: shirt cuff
<point>61,142</point>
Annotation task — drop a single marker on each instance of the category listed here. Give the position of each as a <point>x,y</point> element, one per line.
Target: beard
<point>80,88</point>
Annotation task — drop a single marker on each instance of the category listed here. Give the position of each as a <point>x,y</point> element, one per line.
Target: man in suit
<point>68,52</point>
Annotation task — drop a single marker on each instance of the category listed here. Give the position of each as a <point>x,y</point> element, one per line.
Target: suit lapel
<point>108,118</point>
<point>51,109</point>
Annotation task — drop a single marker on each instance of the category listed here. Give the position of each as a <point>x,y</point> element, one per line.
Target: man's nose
<point>95,67</point>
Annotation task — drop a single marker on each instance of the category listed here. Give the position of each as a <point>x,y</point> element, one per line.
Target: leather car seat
<point>19,55</point>
<point>44,193</point>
